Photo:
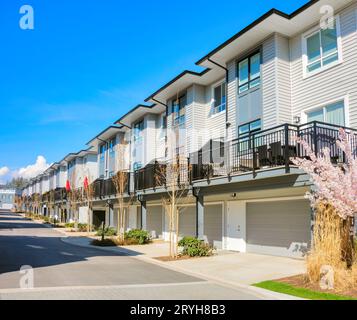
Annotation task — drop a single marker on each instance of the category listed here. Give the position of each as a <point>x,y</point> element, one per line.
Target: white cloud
<point>4,171</point>
<point>32,170</point>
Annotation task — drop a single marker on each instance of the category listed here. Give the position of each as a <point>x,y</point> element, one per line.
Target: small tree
<point>120,181</point>
<point>174,177</point>
<point>88,188</point>
<point>73,197</point>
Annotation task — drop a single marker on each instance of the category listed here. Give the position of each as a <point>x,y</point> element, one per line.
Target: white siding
<point>334,83</point>
<point>284,113</point>
<point>232,99</point>
<point>269,83</point>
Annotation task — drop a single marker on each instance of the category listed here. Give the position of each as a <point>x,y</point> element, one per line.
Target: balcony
<point>266,149</point>
<point>60,194</point>
<point>161,173</point>
<point>106,188</point>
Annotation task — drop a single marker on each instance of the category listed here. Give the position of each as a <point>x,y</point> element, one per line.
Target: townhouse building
<point>7,198</point>
<point>236,123</point>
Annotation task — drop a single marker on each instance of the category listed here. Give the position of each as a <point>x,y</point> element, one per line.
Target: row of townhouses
<point>284,76</point>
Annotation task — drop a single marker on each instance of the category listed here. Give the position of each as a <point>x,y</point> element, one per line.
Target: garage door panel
<point>280,227</point>
<point>213,225</point>
<point>154,219</point>
<point>187,221</point>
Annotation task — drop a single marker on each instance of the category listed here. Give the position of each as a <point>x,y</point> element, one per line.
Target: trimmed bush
<point>194,247</point>
<point>137,237</point>
<point>108,232</point>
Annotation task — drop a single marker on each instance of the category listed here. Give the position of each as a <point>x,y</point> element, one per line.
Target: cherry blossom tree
<point>334,197</point>
<point>335,184</point>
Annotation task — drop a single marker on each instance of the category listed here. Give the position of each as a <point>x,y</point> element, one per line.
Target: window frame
<point>312,32</point>
<point>250,132</point>
<point>138,136</point>
<point>178,119</point>
<point>345,100</point>
<point>239,61</point>
<point>216,110</point>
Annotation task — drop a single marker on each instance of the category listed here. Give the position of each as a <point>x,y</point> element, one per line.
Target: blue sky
<point>88,62</point>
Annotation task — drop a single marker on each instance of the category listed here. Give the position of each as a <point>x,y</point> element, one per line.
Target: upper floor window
<point>322,48</point>
<point>138,129</point>
<point>219,98</point>
<point>178,110</point>
<point>112,144</point>
<point>333,114</point>
<point>249,128</point>
<point>249,73</point>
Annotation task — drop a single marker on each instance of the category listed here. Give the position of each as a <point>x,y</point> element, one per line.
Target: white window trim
<point>213,86</point>
<point>345,100</point>
<point>304,50</point>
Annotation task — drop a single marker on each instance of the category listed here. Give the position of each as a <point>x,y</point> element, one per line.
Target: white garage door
<point>279,228</point>
<point>154,220</point>
<point>213,225</point>
<point>187,221</point>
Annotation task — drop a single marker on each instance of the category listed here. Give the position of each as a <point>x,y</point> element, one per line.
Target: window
<point>178,110</point>
<point>219,98</point>
<point>249,128</point>
<point>138,129</point>
<point>102,150</point>
<point>333,114</point>
<point>321,48</point>
<point>249,73</point>
<point>137,166</point>
<point>112,144</point>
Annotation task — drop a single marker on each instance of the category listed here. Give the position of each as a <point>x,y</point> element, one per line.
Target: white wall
<point>333,84</point>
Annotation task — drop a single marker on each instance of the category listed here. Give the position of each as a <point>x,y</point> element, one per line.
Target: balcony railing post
<point>286,149</point>
<point>252,141</point>
<point>315,139</point>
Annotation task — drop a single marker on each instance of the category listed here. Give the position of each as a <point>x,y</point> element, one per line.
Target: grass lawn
<point>299,292</point>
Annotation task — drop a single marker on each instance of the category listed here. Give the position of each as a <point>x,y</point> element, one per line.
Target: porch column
<point>200,215</point>
<point>143,215</point>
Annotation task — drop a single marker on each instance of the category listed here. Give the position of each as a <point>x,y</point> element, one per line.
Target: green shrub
<point>194,247</point>
<point>82,227</point>
<point>137,237</point>
<point>69,225</point>
<point>108,232</point>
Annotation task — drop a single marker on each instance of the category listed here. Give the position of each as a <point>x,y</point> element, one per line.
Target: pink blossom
<point>334,184</point>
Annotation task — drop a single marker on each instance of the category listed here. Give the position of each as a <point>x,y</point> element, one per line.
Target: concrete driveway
<point>230,267</point>
<point>243,268</point>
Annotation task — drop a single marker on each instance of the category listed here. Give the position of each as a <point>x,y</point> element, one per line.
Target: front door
<point>236,226</point>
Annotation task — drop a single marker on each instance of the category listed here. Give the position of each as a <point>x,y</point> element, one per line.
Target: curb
<point>258,292</point>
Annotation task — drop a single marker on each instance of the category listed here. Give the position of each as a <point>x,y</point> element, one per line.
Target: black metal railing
<point>60,194</point>
<point>267,149</point>
<point>106,188</point>
<point>163,173</point>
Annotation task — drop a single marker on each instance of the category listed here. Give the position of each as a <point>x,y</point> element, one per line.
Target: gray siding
<point>232,99</point>
<point>333,83</point>
<point>269,83</point>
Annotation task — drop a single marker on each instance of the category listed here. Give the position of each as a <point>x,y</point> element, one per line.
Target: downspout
<point>228,124</point>
<point>227,80</point>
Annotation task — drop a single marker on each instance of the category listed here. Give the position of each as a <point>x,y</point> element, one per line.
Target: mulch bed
<point>300,281</point>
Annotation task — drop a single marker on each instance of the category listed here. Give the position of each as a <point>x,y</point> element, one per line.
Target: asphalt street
<point>64,271</point>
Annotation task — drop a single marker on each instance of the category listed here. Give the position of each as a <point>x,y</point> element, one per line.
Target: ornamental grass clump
<point>334,201</point>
